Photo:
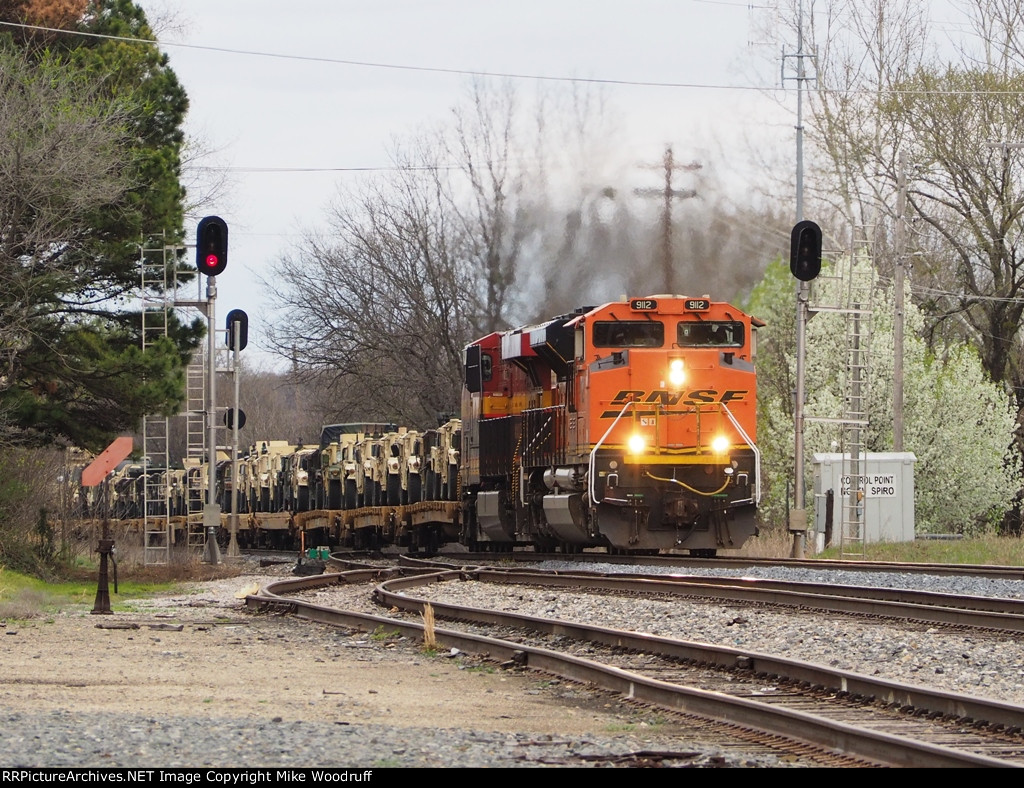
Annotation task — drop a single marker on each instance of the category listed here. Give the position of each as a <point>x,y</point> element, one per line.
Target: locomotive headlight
<point>720,445</point>
<point>676,372</point>
<point>637,444</point>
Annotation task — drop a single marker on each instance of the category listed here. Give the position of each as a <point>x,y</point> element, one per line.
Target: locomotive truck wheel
<point>543,544</point>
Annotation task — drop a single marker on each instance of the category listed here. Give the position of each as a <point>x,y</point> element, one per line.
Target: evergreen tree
<point>90,139</point>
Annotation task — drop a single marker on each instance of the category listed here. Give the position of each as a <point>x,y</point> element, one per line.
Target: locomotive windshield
<point>721,334</point>
<point>629,333</point>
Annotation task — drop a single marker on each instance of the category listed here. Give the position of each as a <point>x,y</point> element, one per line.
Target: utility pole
<point>668,193</point>
<point>897,333</point>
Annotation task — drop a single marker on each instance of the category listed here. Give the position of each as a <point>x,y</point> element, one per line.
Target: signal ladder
<point>855,420</point>
<point>195,420</point>
<point>156,531</point>
<point>850,294</point>
<point>159,294</point>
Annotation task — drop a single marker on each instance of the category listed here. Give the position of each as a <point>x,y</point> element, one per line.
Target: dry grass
<point>27,603</point>
<point>774,543</point>
<point>184,564</point>
<point>429,640</point>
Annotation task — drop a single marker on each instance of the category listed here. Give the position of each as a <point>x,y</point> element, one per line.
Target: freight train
<point>629,426</point>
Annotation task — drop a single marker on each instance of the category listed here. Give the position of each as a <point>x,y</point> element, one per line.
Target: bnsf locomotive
<point>629,426</point>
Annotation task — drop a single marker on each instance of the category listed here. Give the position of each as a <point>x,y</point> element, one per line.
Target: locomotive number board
<point>643,304</point>
<point>697,304</point>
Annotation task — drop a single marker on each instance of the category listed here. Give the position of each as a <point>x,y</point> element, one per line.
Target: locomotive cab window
<point>710,334</point>
<point>629,333</point>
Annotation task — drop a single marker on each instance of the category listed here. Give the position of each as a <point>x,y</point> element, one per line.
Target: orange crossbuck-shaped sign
<point>98,469</point>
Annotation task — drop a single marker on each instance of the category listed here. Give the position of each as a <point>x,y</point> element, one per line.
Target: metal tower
<point>157,532</point>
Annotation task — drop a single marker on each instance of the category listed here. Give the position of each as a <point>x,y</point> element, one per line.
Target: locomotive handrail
<point>753,446</point>
<point>593,453</point>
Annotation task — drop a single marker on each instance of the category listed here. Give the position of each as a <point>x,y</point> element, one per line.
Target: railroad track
<point>822,712</point>
<point>740,564</point>
<point>926,607</point>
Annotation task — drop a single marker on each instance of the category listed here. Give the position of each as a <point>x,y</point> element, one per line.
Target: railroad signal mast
<point>238,338</point>
<point>211,260</point>
<point>805,265</point>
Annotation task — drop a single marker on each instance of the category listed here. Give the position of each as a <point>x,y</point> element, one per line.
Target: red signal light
<point>212,246</point>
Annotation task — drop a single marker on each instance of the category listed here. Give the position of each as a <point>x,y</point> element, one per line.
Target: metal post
<point>798,515</point>
<point>106,550</point>
<point>211,512</point>
<point>897,333</point>
<point>233,552</point>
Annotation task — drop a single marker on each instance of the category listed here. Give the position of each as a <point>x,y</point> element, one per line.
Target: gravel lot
<point>193,679</point>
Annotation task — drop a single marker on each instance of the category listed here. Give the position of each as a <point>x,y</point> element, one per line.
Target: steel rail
<point>875,746</point>
<point>391,592</point>
<point>739,563</point>
<point>924,606</point>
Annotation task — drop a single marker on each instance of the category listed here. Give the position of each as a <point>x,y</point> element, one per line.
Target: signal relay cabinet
<point>887,480</point>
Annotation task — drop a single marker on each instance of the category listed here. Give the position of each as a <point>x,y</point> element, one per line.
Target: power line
<point>871,91</point>
<point>388,168</point>
<point>393,66</point>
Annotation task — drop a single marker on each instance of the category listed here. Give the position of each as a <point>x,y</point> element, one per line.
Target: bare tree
<point>277,406</point>
<point>418,264</point>
<point>883,92</point>
<point>513,213</point>
<point>381,314</point>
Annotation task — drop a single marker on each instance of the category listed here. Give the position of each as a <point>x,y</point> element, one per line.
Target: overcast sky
<point>296,97</point>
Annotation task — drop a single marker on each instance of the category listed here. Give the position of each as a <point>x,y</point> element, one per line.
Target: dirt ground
<point>202,652</point>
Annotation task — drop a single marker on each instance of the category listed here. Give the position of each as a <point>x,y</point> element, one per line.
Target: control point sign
<point>98,469</point>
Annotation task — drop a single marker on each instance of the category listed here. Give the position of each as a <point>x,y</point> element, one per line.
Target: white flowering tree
<point>958,424</point>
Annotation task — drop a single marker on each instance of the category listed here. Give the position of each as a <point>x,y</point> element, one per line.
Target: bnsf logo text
<point>658,396</point>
